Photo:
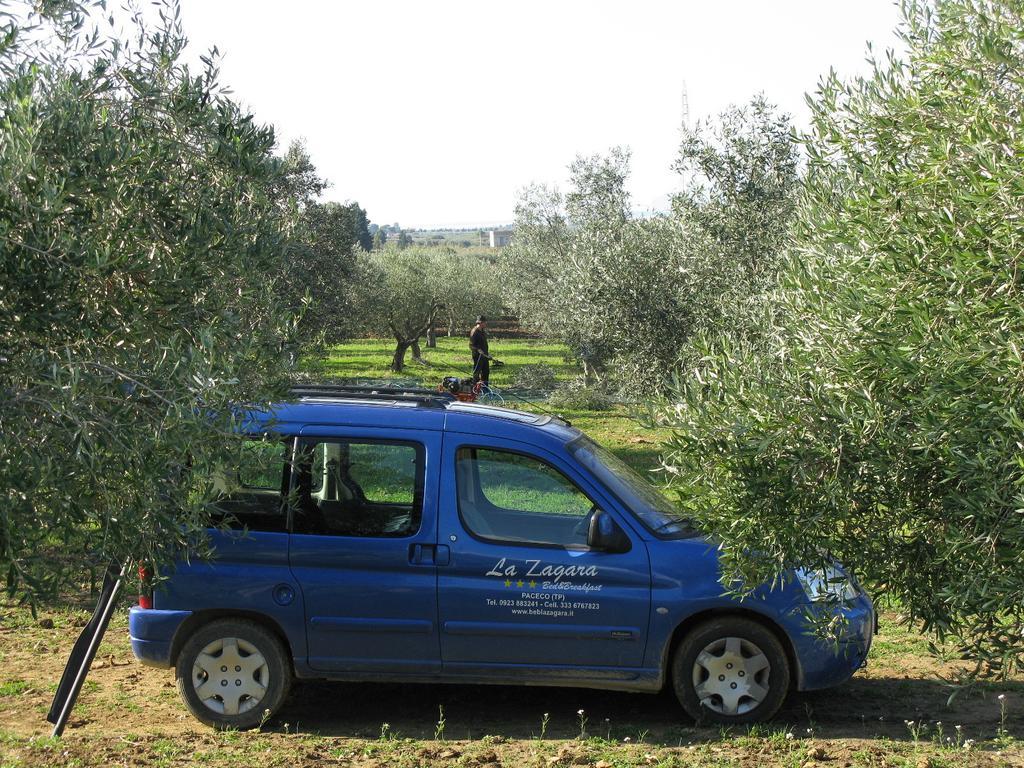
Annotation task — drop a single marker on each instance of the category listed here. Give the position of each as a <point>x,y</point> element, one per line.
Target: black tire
<point>739,691</point>
<point>258,682</point>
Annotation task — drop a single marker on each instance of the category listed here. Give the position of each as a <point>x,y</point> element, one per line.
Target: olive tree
<point>407,290</point>
<point>881,421</point>
<point>627,293</point>
<point>317,274</point>
<point>741,184</point>
<point>140,232</point>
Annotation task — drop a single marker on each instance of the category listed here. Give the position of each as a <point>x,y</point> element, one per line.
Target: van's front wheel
<point>731,670</point>
<point>233,673</point>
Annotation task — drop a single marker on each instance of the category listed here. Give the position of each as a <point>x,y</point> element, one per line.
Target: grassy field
<point>371,358</point>
<point>456,239</point>
<point>368,360</point>
<point>895,713</point>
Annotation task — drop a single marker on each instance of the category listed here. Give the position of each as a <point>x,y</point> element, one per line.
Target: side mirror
<point>605,535</point>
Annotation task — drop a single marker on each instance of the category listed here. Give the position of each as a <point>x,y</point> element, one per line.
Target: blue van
<point>405,536</point>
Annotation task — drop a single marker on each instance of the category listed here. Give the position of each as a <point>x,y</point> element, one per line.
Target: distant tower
<point>686,107</point>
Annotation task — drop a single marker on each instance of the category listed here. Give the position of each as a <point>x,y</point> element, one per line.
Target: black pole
<point>84,652</point>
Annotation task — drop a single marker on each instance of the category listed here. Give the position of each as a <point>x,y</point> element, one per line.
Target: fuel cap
<point>284,594</point>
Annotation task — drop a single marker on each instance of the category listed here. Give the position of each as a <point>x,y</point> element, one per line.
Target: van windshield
<point>634,490</point>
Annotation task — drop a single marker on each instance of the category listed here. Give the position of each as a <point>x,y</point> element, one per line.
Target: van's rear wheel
<point>731,670</point>
<point>233,673</point>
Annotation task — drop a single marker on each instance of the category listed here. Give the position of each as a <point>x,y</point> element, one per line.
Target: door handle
<point>429,554</point>
<point>442,555</point>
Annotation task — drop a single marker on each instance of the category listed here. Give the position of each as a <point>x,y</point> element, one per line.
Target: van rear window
<point>359,488</point>
<point>251,496</point>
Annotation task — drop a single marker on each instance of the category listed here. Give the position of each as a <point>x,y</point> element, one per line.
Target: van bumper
<point>825,664</point>
<point>152,634</point>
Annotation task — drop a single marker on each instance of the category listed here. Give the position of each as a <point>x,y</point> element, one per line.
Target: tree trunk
<point>431,338</point>
<point>590,374</point>
<point>416,353</point>
<point>398,361</point>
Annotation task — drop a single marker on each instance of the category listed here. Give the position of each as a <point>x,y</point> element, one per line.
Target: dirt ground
<point>893,713</point>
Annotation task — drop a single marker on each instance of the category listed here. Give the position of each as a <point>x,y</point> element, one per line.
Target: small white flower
<point>579,711</point>
<point>627,739</point>
<point>1001,696</point>
<point>789,736</point>
<point>938,723</point>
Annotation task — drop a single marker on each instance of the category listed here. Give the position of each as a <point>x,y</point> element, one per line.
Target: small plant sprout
<point>608,728</point>
<point>264,718</point>
<point>915,728</point>
<point>959,736</point>
<point>938,731</point>
<point>385,731</point>
<point>544,720</point>
<point>1001,698</point>
<point>439,728</point>
<point>581,716</point>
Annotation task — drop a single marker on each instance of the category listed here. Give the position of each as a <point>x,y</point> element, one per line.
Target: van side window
<point>514,498</point>
<point>359,488</point>
<point>249,497</point>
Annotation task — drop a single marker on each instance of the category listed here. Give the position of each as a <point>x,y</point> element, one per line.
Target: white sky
<point>435,113</point>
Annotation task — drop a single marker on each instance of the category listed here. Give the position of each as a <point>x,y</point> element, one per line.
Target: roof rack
<point>420,395</point>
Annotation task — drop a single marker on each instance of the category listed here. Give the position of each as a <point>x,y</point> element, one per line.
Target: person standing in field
<point>478,347</point>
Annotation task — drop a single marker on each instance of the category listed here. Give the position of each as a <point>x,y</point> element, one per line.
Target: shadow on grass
<point>334,367</point>
<point>862,708</point>
<point>552,355</point>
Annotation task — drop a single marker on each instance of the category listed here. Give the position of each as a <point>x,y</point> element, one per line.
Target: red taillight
<point>146,595</point>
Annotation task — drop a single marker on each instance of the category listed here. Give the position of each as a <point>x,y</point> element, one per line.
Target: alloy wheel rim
<point>230,676</point>
<point>731,676</point>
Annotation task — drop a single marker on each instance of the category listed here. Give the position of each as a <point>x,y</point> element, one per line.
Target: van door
<point>523,590</point>
<point>364,548</point>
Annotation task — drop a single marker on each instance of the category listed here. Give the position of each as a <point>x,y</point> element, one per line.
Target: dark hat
<point>481,319</point>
